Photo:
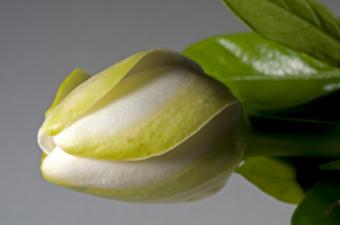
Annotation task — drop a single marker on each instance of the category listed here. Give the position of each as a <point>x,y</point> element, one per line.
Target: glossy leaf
<point>263,74</point>
<point>304,25</point>
<point>274,177</point>
<point>321,206</point>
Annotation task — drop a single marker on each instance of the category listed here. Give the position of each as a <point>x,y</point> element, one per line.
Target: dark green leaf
<point>304,25</point>
<point>263,74</point>
<point>326,20</point>
<point>274,177</point>
<point>321,206</point>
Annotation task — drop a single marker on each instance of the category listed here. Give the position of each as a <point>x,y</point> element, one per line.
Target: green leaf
<point>304,25</point>
<point>263,74</point>
<point>325,18</point>
<point>321,206</point>
<point>274,177</point>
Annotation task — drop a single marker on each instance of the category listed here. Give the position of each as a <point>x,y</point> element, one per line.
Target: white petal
<point>45,142</point>
<point>134,99</point>
<point>91,173</point>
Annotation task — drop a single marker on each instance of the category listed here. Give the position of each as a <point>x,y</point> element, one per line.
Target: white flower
<point>150,128</point>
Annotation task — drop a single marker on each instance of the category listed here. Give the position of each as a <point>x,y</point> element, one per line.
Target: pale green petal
<point>91,91</point>
<point>220,143</point>
<point>194,116</point>
<point>74,79</point>
<point>197,100</point>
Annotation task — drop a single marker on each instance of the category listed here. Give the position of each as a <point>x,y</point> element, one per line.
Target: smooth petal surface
<point>195,169</point>
<point>152,128</point>
<point>90,92</point>
<point>80,100</point>
<point>154,107</point>
<point>147,114</point>
<point>73,80</point>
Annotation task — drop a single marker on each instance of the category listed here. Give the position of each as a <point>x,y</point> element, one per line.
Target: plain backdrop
<point>40,42</point>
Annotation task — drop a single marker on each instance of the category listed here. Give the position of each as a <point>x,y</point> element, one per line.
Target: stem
<point>280,137</point>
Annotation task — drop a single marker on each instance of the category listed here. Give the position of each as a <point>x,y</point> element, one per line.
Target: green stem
<point>281,137</point>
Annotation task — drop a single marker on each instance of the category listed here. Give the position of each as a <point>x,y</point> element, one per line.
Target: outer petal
<point>197,168</point>
<point>101,134</point>
<point>74,79</point>
<point>87,94</point>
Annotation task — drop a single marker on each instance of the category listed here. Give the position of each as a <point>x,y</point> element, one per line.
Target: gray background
<point>40,42</point>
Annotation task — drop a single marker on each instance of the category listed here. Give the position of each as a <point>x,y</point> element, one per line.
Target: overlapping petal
<point>151,128</point>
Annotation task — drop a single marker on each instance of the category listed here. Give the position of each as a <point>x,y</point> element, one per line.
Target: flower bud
<point>150,128</point>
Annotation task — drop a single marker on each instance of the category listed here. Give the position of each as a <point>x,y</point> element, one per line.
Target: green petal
<point>199,179</point>
<point>87,94</point>
<point>91,91</point>
<point>188,111</point>
<point>74,79</point>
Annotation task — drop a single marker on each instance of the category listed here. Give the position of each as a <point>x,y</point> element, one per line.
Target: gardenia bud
<point>150,128</point>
